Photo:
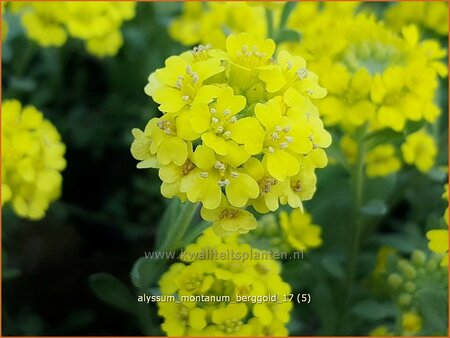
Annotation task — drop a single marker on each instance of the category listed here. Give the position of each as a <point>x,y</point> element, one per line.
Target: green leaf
<point>287,10</point>
<point>433,308</point>
<point>335,152</point>
<point>287,35</point>
<point>397,241</point>
<point>375,208</point>
<point>413,126</point>
<point>333,266</point>
<point>373,310</point>
<point>193,232</point>
<point>169,216</point>
<point>382,136</point>
<point>146,272</point>
<point>112,291</point>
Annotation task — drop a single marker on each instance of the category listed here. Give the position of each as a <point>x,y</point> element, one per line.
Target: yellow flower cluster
<point>238,129</point>
<point>210,23</point>
<point>222,289</point>
<point>432,15</point>
<point>374,76</point>
<point>316,19</point>
<point>32,160</point>
<point>438,238</point>
<point>97,23</point>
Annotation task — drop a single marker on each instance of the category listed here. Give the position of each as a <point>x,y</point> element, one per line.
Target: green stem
<point>358,199</point>
<point>177,229</point>
<point>287,10</point>
<point>269,20</point>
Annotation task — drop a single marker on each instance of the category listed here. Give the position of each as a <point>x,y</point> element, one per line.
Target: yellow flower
<point>382,161</point>
<point>210,291</point>
<point>438,242</point>
<point>302,186</point>
<point>176,85</point>
<point>205,183</point>
<point>160,139</point>
<point>411,323</point>
<point>420,150</point>
<point>230,137</point>
<point>300,233</point>
<point>270,190</point>
<point>32,160</point>
<point>282,141</point>
<point>140,149</point>
<point>217,123</point>
<point>292,73</point>
<point>229,220</point>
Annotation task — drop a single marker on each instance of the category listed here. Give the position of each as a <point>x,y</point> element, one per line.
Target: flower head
<point>231,138</point>
<point>300,233</point>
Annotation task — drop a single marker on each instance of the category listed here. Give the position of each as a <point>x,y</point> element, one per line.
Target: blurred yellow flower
<point>382,161</point>
<point>381,331</point>
<point>301,234</point>
<point>432,15</point>
<point>32,160</point>
<point>411,323</point>
<point>97,23</point>
<point>210,23</point>
<point>420,150</point>
<point>374,76</point>
<point>42,24</point>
